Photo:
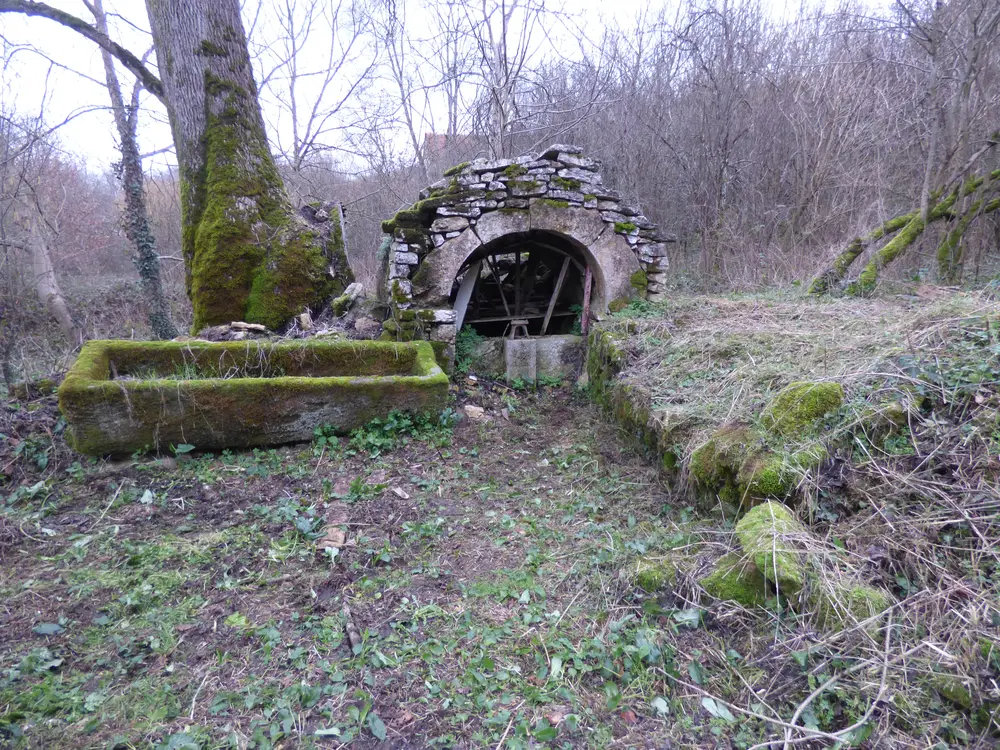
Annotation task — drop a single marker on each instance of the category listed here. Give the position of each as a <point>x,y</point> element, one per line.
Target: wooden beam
<point>555,294</point>
<point>496,276</point>
<point>502,318</point>
<point>588,280</point>
<point>465,292</point>
<point>517,281</point>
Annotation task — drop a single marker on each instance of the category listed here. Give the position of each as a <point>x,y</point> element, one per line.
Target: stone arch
<point>558,193</point>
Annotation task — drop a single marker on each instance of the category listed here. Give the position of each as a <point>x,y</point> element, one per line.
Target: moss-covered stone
<point>457,169</point>
<point>953,690</point>
<point>123,396</point>
<point>772,537</point>
<point>798,406</point>
<point>515,170</point>
<point>625,227</point>
<point>618,304</point>
<point>639,281</point>
<point>736,579</point>
<point>654,574</point>
<point>564,183</point>
<point>554,203</point>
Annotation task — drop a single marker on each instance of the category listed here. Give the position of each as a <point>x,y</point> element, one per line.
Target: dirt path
<point>154,603</point>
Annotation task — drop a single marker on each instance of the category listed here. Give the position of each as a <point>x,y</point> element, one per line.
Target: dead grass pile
<point>908,501</point>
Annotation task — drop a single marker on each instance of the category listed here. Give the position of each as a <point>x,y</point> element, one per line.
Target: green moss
<point>554,203</point>
<point>717,461</point>
<point>798,406</point>
<point>406,315</point>
<point>618,304</point>
<point>566,184</point>
<point>772,538</point>
<point>590,197</point>
<point>624,227</point>
<point>458,168</point>
<point>210,49</point>
<point>734,579</point>
<point>639,281</point>
<point>250,257</point>
<point>953,690</point>
<point>840,606</point>
<point>515,170</point>
<point>349,382</point>
<point>654,575</point>
<point>411,235</point>
<point>398,295</point>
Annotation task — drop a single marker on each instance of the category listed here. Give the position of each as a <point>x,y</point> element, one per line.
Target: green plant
<point>637,307</point>
<point>466,342</point>
<point>381,435</point>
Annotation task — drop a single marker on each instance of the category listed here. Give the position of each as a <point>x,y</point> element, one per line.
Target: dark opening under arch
<point>539,277</point>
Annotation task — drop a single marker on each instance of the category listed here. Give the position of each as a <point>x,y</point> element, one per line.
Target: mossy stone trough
<point>126,396</point>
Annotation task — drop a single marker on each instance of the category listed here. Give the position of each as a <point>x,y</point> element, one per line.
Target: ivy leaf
<point>718,710</point>
<point>183,448</point>
<point>687,618</point>
<point>697,673</point>
<point>377,727</point>
<point>801,658</point>
<point>48,628</point>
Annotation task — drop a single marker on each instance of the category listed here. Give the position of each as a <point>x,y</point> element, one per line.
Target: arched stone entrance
<point>526,211</point>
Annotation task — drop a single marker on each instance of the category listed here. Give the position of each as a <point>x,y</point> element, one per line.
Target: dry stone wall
<point>559,191</point>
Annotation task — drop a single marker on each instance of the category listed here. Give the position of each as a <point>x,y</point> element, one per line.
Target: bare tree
<point>248,253</point>
<point>137,227</point>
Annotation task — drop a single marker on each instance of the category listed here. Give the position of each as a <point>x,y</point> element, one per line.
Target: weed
<point>466,342</point>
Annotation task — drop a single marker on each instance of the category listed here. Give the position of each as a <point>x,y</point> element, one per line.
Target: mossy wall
<point>739,465</point>
<point>108,416</point>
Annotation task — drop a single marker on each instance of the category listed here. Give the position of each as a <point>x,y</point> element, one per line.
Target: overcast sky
<point>68,80</point>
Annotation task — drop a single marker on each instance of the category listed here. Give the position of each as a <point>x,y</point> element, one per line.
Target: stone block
<point>557,149</point>
<point>520,359</point>
<point>582,175</point>
<point>566,195</point>
<point>445,332</point>
<point>528,188</point>
<point>289,389</point>
<point>399,271</point>
<point>409,258</point>
<point>580,162</point>
<point>552,356</point>
<point>468,211</point>
<point>450,224</point>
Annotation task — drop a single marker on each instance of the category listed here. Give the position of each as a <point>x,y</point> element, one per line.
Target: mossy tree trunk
<point>248,254</point>
<point>905,229</point>
<point>137,228</point>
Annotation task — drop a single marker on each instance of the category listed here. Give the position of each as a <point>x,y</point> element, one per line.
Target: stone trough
<point>126,396</point>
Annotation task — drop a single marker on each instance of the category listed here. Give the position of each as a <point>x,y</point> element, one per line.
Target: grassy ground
<point>484,593</point>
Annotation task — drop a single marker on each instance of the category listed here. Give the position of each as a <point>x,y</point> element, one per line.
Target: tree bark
<point>137,228</point>
<point>47,285</point>
<point>248,254</point>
